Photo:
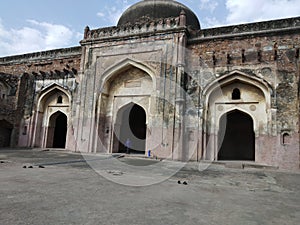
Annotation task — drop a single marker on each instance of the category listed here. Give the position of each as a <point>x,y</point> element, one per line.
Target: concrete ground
<point>68,188</point>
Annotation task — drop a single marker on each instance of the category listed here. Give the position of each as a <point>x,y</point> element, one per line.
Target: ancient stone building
<point>160,81</point>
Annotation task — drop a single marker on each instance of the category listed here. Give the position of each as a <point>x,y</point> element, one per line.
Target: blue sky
<point>35,25</point>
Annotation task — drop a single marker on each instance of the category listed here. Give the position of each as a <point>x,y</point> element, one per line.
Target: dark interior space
<point>236,137</point>
<point>5,133</point>
<point>60,131</point>
<point>133,130</point>
<point>236,94</point>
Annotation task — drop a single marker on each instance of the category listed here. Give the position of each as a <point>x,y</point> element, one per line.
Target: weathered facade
<point>160,81</point>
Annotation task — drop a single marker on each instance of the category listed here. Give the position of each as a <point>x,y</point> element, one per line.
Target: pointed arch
<point>125,105</point>
<point>238,76</point>
<point>236,138</point>
<point>239,109</point>
<point>127,82</point>
<point>52,86</point>
<point>130,129</point>
<point>255,101</point>
<point>46,107</point>
<point>57,130</point>
<point>58,111</point>
<point>124,65</point>
<point>49,91</point>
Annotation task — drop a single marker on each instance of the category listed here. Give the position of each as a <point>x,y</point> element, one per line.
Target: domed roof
<point>155,9</point>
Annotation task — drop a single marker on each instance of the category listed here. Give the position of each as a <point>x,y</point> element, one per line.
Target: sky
<point>36,25</point>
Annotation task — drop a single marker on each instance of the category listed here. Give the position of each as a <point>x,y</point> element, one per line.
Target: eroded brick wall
<point>273,57</point>
<point>20,73</point>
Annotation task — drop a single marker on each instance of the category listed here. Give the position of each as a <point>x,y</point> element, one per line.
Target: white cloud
<point>208,5</point>
<point>112,14</point>
<point>258,10</point>
<point>78,36</point>
<point>100,14</point>
<point>3,32</point>
<point>36,36</point>
<point>210,22</point>
<point>53,35</point>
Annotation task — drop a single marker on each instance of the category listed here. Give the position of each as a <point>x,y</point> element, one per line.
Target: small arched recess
<point>254,100</point>
<point>47,106</point>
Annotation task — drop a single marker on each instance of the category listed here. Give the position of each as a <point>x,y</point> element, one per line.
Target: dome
<point>155,9</point>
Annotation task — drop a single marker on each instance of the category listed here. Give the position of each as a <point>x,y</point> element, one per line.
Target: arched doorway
<point>53,98</point>
<point>236,137</point>
<point>5,133</point>
<point>131,130</point>
<point>57,130</point>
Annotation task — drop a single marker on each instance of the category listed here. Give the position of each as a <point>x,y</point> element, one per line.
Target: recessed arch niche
<point>129,84</point>
<point>239,97</point>
<point>52,113</point>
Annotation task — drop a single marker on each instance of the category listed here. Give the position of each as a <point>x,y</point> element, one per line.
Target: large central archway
<point>236,137</point>
<point>130,135</point>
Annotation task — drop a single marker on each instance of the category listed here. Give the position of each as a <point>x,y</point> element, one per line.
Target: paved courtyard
<point>55,187</point>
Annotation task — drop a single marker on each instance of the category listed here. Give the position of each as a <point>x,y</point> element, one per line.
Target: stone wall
<point>274,59</point>
<point>268,52</point>
<point>21,73</point>
<point>166,59</point>
<point>39,62</point>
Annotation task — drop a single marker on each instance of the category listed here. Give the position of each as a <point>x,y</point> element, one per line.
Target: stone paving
<point>69,188</point>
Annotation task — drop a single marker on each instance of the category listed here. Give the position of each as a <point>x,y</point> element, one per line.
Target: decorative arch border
<point>117,68</point>
<point>122,66</point>
<point>220,82</point>
<point>51,88</point>
<point>40,96</point>
<point>237,75</point>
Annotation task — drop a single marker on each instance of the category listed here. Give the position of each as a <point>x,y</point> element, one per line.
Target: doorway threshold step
<point>245,165</point>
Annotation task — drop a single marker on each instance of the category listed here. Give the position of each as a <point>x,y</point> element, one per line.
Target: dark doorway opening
<point>236,137</point>
<point>131,137</point>
<point>5,133</point>
<point>57,131</point>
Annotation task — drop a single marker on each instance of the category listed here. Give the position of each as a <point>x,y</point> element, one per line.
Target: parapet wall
<point>50,64</point>
<point>143,26</point>
<point>258,28</point>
